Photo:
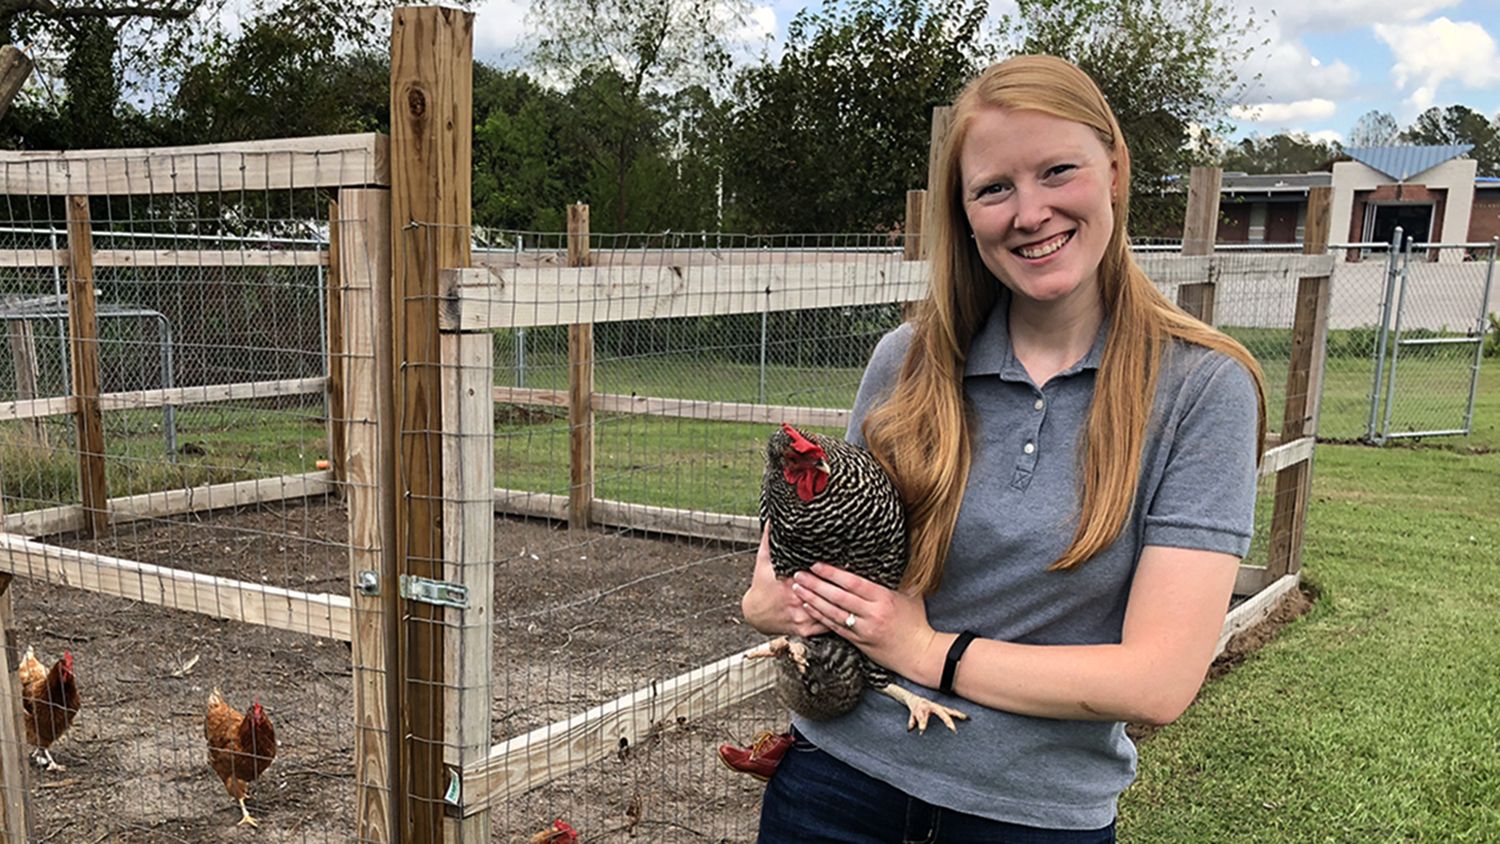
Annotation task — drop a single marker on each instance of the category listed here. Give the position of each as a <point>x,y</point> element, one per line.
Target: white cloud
<point>499,26</point>
<point>1286,71</point>
<point>1300,17</point>
<point>1327,136</point>
<point>1427,55</point>
<point>1283,114</point>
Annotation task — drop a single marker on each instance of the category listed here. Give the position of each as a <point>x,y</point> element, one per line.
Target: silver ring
<point>849,622</point>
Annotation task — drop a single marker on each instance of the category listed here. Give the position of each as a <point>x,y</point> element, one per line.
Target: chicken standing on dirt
<point>240,747</point>
<point>830,501</point>
<point>49,702</point>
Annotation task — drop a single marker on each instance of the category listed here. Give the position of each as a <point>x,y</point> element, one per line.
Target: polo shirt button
<point>1039,404</point>
<point>1030,447</point>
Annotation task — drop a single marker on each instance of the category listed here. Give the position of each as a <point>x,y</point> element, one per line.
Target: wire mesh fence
<point>164,465</point>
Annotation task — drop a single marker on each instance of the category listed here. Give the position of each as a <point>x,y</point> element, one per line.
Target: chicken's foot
<point>43,759</point>
<point>922,709</point>
<point>247,820</point>
<point>779,646</point>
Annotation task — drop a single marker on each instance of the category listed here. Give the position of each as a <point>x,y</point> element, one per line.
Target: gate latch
<point>437,592</point>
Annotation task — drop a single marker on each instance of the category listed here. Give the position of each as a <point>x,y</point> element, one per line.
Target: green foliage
<point>832,136</point>
<point>1459,124</point>
<point>1492,337</point>
<point>1280,153</point>
<point>1164,65</point>
<point>1374,129</point>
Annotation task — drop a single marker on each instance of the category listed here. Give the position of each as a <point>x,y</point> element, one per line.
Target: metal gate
<point>1430,341</point>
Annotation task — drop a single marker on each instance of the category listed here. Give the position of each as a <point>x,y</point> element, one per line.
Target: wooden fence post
<point>580,386</point>
<point>368,422</point>
<point>1303,383</point>
<point>15,821</point>
<point>23,361</point>
<point>942,122</point>
<point>337,407</point>
<point>83,354</point>
<point>432,116</point>
<point>1200,230</point>
<point>913,248</point>
<point>469,545</point>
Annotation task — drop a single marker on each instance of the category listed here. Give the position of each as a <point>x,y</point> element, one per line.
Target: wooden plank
<point>481,299</point>
<point>542,755</point>
<point>219,597</point>
<point>431,202</point>
<point>620,514</point>
<point>34,408</point>
<point>176,502</point>
<point>942,123</point>
<point>15,793</point>
<point>469,554</point>
<point>1284,455</point>
<point>15,69</point>
<point>334,364</point>
<point>724,258</point>
<point>170,258</point>
<point>23,364</point>
<point>716,411</point>
<point>1255,610</point>
<point>83,354</point>
<point>284,164</point>
<point>580,385</point>
<point>368,421</point>
<point>137,399</point>
<point>1200,226</point>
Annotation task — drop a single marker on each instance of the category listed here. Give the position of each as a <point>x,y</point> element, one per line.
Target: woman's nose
<point>1032,210</point>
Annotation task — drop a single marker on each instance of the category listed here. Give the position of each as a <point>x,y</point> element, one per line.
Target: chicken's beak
<point>823,467</point>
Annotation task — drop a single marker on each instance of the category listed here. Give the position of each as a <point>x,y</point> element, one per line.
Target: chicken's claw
<point>247,820</point>
<point>922,709</point>
<point>782,646</point>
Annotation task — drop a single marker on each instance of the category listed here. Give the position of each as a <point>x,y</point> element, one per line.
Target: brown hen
<point>49,701</point>
<point>240,747</point>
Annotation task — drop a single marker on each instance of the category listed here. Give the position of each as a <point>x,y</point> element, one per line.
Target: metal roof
<point>1403,162</point>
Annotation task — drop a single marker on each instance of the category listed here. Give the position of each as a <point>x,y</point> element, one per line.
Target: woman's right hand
<point>771,605</point>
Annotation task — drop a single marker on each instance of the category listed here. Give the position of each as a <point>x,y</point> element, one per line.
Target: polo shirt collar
<point>991,352</point>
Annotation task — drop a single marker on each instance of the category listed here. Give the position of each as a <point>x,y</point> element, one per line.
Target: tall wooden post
<point>432,57</point>
<point>1303,383</point>
<point>83,353</point>
<point>580,386</point>
<point>1200,230</point>
<point>15,820</point>
<point>469,546</point>
<point>942,122</point>
<point>913,248</point>
<point>335,332</point>
<point>368,424</point>
<point>23,362</point>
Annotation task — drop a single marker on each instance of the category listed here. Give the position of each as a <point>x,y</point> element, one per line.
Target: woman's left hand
<point>890,627</point>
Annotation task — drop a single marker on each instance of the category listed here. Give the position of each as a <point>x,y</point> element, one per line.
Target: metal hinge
<point>438,592</point>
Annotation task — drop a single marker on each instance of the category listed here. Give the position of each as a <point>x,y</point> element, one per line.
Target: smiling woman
<point>1076,459</point>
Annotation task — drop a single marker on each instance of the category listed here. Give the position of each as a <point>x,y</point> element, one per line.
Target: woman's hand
<point>890,627</point>
<point>771,605</point>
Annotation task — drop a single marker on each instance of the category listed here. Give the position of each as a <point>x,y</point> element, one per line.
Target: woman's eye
<point>1060,170</point>
<point>989,190</point>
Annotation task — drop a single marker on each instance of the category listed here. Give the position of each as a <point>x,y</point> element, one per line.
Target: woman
<point>1077,459</point>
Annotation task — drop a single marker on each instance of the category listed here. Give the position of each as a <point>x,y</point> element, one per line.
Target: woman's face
<point>1037,189</point>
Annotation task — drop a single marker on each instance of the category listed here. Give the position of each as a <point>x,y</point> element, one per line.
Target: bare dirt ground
<point>580,618</point>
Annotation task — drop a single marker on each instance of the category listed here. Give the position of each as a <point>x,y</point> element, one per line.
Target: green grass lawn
<point>1375,717</point>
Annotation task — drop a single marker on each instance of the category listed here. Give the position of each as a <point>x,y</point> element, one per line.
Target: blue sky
<point>1326,61</point>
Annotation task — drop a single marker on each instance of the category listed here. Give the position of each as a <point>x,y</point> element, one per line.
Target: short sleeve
<point>880,376</point>
<point>1205,499</point>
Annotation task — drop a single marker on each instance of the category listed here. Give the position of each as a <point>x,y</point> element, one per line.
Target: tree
<point>832,136</point>
<point>1280,153</point>
<point>1459,124</point>
<point>1165,66</point>
<point>1374,129</point>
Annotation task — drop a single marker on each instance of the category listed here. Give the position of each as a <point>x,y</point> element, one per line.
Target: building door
<point>1414,219</point>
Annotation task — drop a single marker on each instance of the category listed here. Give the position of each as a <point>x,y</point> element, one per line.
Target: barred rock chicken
<point>49,703</point>
<point>830,501</point>
<point>240,747</point>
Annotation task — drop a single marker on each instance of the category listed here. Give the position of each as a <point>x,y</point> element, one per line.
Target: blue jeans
<point>816,799</point>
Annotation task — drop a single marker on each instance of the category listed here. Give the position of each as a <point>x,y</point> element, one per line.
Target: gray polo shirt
<point>1197,490</point>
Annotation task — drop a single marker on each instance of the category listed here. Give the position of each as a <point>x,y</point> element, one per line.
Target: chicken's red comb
<point>801,444</point>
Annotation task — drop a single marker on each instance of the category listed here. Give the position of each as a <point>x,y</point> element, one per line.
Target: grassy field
<point>1375,717</point>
